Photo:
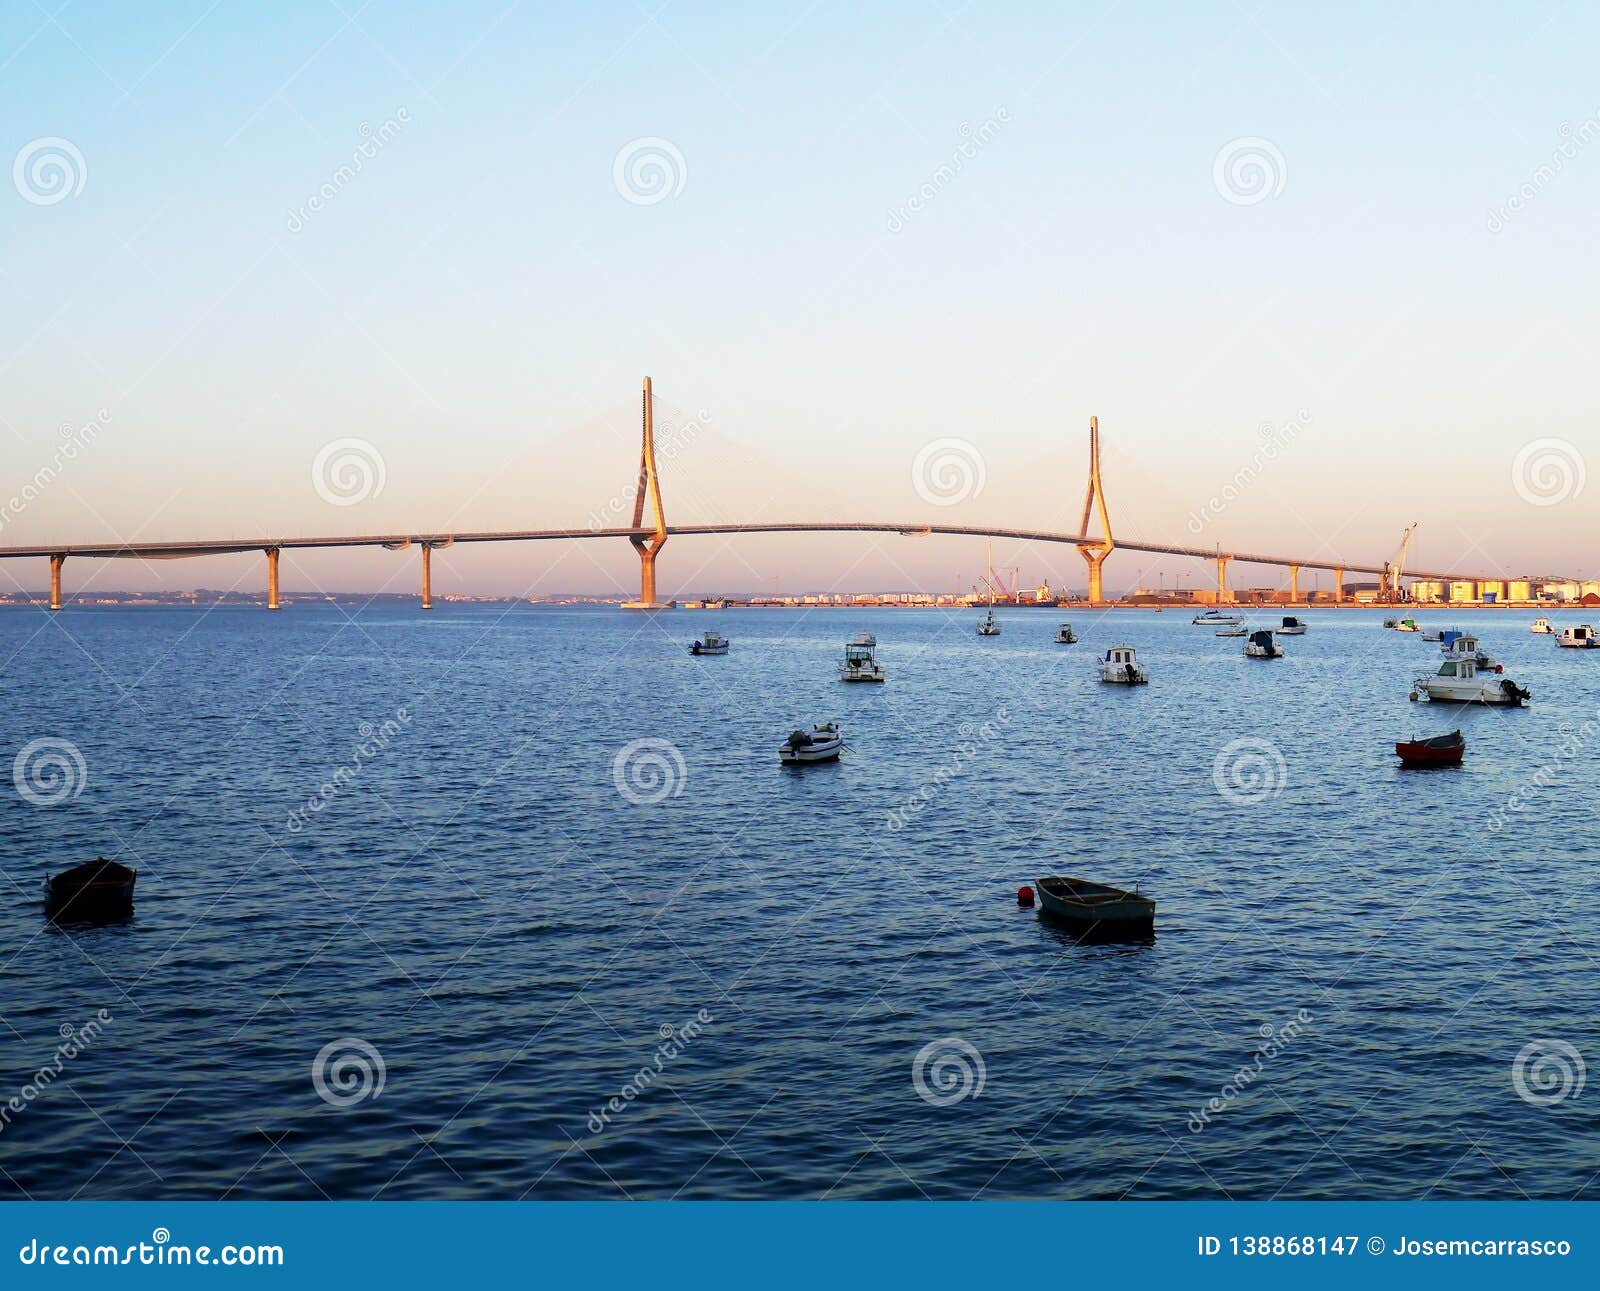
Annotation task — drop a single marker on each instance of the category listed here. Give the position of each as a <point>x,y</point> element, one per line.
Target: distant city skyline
<point>1316,282</point>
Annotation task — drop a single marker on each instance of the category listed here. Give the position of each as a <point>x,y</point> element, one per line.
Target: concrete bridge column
<point>1338,586</point>
<point>55,580</point>
<point>1294,583</point>
<point>272,578</point>
<point>427,575</point>
<point>1223,595</point>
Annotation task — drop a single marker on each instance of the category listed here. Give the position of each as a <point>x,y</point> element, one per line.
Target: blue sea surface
<point>503,902</point>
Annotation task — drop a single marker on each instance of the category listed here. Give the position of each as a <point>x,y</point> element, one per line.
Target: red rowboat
<point>1440,751</point>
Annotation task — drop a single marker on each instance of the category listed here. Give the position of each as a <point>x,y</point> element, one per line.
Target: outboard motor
<point>1130,672</point>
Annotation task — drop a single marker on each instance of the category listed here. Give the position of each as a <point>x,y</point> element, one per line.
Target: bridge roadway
<point>396,541</point>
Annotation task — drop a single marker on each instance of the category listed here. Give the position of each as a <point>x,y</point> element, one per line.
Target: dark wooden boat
<point>1097,907</point>
<point>1440,751</point>
<point>96,887</point>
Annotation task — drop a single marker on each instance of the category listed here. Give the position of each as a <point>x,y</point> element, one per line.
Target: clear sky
<point>237,232</point>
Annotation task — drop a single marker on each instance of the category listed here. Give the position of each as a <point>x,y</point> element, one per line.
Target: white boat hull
<point>1292,632</point>
<point>861,674</point>
<point>1117,675</point>
<point>1466,692</point>
<point>813,753</point>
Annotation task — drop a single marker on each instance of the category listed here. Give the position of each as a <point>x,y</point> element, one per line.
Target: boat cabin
<point>1464,669</point>
<point>1578,634</point>
<point>1119,655</point>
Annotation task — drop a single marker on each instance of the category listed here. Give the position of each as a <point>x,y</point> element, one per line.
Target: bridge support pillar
<point>1223,595</point>
<point>1294,584</point>
<point>1095,556</point>
<point>55,580</point>
<point>427,575</point>
<point>1338,586</point>
<point>272,578</point>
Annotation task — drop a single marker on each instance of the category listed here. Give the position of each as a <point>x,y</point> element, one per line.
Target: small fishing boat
<point>1262,646</point>
<point>96,887</point>
<point>1407,625</point>
<point>1291,627</point>
<point>1465,646</point>
<point>1121,667</point>
<point>1216,618</point>
<point>1065,635</point>
<point>1097,907</point>
<point>711,643</point>
<point>1542,627</point>
<point>1458,680</point>
<point>1439,751</point>
<point>1236,631</point>
<point>861,660</point>
<point>1434,634</point>
<point>1580,636</point>
<point>819,744</point>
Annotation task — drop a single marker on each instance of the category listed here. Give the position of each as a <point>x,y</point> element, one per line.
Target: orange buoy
<point>1024,895</point>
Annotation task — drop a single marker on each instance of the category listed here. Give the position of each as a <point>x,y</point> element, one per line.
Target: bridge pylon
<point>649,481</point>
<point>1095,553</point>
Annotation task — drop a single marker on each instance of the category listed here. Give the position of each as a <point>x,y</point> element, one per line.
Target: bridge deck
<point>225,546</point>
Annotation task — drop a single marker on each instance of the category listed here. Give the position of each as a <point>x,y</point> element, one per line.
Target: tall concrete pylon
<point>1095,498</point>
<point>649,481</point>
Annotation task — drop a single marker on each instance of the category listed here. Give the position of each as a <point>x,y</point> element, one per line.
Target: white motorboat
<point>1459,681</point>
<point>989,628</point>
<point>1216,618</point>
<point>1121,667</point>
<point>1542,627</point>
<point>1436,634</point>
<point>1065,635</point>
<point>861,660</point>
<point>1580,636</point>
<point>711,643</point>
<point>819,744</point>
<point>1291,627</point>
<point>1237,630</point>
<point>1465,646</point>
<point>1262,646</point>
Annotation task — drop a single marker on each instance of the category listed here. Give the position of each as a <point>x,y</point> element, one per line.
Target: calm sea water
<point>436,982</point>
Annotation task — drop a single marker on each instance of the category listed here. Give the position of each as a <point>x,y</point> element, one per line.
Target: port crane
<point>1392,589</point>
